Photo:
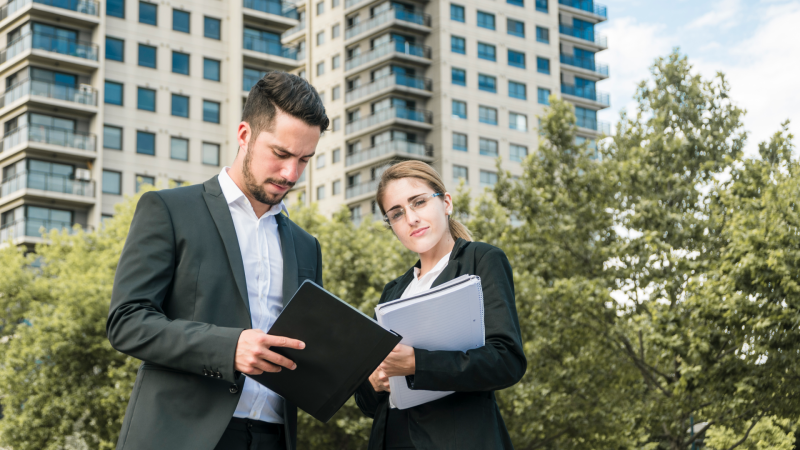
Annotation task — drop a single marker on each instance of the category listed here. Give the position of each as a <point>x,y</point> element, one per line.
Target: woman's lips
<point>419,232</point>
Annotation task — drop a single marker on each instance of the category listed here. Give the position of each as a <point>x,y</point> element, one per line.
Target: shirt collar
<point>437,269</point>
<point>233,194</point>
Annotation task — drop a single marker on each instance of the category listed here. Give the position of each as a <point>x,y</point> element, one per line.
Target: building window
<point>337,187</point>
<point>112,182</point>
<point>517,121</point>
<point>486,20</point>
<point>587,118</point>
<point>457,13</point>
<point>148,13</point>
<point>115,49</point>
<point>487,83</point>
<point>543,65</point>
<point>336,123</point>
<point>517,90</point>
<point>180,63</point>
<point>337,156</point>
<point>179,149</point>
<point>210,111</point>
<point>487,52</point>
<point>112,137</point>
<point>458,77</point>
<point>334,3</point>
<point>113,93</point>
<point>488,147</point>
<point>320,8</point>
<point>515,27</point>
<point>180,20</point>
<point>516,59</point>
<point>543,96</point>
<point>146,99</point>
<point>355,213</point>
<point>541,5</point>
<point>336,92</point>
<point>336,61</point>
<point>336,30</point>
<point>543,35</point>
<point>459,109</point>
<point>142,180</point>
<point>458,45</point>
<point>320,38</point>
<point>518,152</point>
<point>147,56</point>
<point>488,179</point>
<point>212,28</point>
<point>460,173</point>
<point>320,160</point>
<point>516,2</point>
<point>320,68</point>
<point>211,69</point>
<point>487,115</point>
<point>460,142</point>
<point>115,8</point>
<point>320,192</point>
<point>145,143</point>
<point>180,105</point>
<point>210,154</point>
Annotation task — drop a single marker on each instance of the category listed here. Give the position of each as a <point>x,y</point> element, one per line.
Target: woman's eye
<point>396,215</point>
<point>419,203</point>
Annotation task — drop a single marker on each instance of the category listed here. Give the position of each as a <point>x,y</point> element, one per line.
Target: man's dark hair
<point>289,93</point>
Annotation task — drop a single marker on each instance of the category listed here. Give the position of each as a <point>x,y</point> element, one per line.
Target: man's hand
<point>253,356</point>
<point>379,381</point>
<point>400,362</point>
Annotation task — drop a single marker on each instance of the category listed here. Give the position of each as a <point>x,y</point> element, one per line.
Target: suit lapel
<point>453,267</point>
<point>218,207</point>
<point>290,274</point>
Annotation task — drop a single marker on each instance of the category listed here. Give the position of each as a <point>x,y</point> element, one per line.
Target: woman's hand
<point>400,362</point>
<point>379,380</point>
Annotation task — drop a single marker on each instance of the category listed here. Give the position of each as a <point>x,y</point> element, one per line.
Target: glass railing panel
<point>272,7</point>
<point>49,135</point>
<point>32,228</point>
<point>586,5</point>
<point>269,47</point>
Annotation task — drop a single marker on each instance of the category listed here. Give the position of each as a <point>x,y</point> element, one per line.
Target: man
<point>205,271</point>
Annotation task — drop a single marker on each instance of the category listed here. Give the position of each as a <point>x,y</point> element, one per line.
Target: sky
<point>756,43</point>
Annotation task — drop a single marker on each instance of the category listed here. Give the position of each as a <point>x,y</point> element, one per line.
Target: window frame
<point>218,112</point>
<point>121,52</point>
<point>219,69</point>
<point>457,7</point>
<point>206,21</point>
<point>188,21</point>
<point>140,134</point>
<point>155,15</point>
<point>121,92</point>
<point>188,62</point>
<point>172,139</point>
<point>453,49</point>
<point>105,125</point>
<point>172,105</point>
<point>144,90</point>
<point>118,190</point>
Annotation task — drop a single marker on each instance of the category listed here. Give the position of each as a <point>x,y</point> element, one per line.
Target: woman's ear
<point>448,203</point>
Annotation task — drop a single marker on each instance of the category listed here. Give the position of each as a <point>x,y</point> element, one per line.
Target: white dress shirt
<point>260,246</point>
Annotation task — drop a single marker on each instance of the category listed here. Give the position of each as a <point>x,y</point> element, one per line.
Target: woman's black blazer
<point>469,418</point>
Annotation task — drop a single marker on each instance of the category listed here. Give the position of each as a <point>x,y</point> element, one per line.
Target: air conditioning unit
<point>86,88</point>
<point>83,174</point>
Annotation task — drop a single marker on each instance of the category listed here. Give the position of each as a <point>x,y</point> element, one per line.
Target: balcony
<point>269,47</point>
<point>588,6</point>
<point>587,93</point>
<point>37,88</point>
<point>391,47</point>
<point>584,34</point>
<point>394,112</point>
<point>47,182</point>
<point>362,189</point>
<point>393,80</point>
<point>50,43</point>
<point>31,227</point>
<point>60,137</point>
<point>293,31</point>
<point>88,7</point>
<point>390,148</point>
<point>592,124</point>
<point>387,16</point>
<point>272,7</point>
<point>585,63</point>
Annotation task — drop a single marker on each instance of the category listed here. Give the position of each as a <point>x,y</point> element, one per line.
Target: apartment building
<point>101,98</point>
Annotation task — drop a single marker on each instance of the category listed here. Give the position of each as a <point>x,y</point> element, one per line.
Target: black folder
<point>343,347</point>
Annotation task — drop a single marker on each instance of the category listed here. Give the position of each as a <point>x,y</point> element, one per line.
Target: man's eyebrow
<point>285,150</point>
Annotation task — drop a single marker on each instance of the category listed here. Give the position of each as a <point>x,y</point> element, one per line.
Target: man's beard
<point>256,189</point>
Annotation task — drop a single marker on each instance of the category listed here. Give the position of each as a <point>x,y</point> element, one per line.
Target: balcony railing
<point>51,43</point>
<point>395,79</point>
<point>272,7</point>
<point>593,124</point>
<point>587,5</point>
<point>586,34</point>
<point>89,7</point>
<point>48,135</point>
<point>50,90</point>
<point>269,47</point>
<point>349,3</point>
<point>389,147</point>
<point>393,112</point>
<point>586,92</point>
<point>386,16</point>
<point>31,227</point>
<point>295,29</point>
<point>361,189</point>
<point>584,63</point>
<point>422,51</point>
<point>47,182</point>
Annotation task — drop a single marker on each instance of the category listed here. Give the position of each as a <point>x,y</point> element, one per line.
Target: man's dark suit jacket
<point>468,418</point>
<point>179,304</point>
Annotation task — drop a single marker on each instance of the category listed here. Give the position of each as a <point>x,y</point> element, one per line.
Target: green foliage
<point>767,434</point>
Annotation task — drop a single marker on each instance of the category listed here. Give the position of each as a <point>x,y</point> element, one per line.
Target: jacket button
<point>233,389</point>
<point>205,372</point>
<point>219,375</point>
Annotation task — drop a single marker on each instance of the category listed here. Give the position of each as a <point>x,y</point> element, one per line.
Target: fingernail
<point>302,345</point>
<point>294,367</point>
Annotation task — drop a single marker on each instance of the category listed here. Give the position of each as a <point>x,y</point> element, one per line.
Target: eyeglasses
<point>395,214</point>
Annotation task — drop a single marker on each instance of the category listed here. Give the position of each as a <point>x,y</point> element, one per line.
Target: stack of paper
<point>447,317</point>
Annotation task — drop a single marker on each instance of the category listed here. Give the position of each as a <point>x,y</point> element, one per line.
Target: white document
<point>447,317</point>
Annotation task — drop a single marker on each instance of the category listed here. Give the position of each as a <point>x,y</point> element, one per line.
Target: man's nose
<point>291,171</point>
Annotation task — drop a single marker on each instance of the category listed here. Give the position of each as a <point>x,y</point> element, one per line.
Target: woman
<point>419,211</point>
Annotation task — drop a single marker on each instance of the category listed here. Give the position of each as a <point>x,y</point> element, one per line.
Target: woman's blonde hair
<point>426,174</point>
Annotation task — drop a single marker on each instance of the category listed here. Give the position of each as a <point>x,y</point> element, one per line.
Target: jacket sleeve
<point>137,324</point>
<point>318,279</point>
<point>366,397</point>
<point>497,365</point>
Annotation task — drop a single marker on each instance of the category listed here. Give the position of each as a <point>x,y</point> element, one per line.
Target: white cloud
<point>723,15</point>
